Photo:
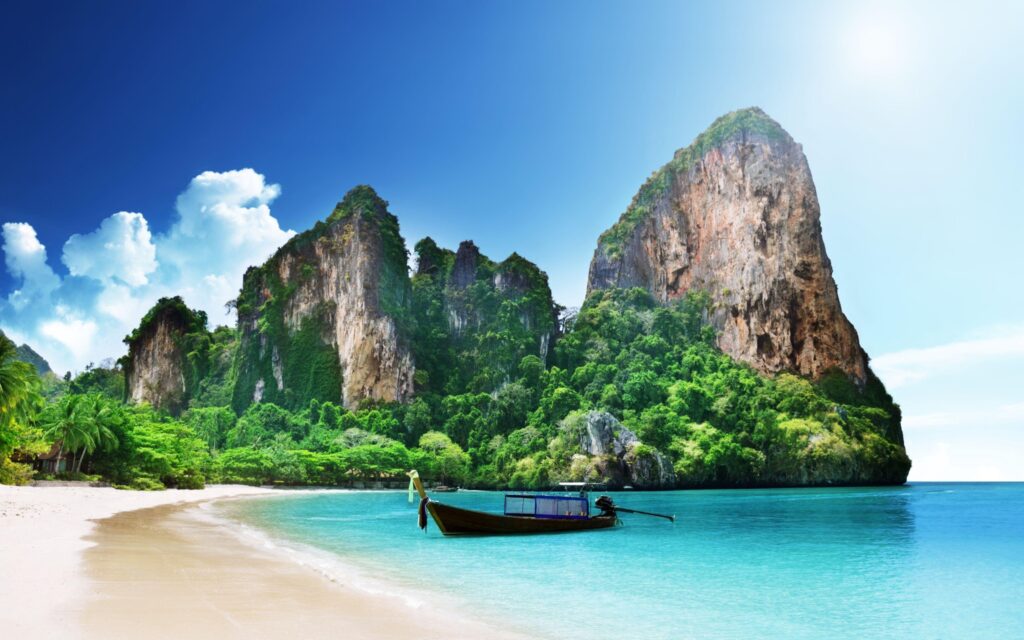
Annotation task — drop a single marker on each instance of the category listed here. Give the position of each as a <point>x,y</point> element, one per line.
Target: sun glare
<point>876,45</point>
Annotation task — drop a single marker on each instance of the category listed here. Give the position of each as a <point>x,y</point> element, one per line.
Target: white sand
<point>42,585</point>
<point>174,572</point>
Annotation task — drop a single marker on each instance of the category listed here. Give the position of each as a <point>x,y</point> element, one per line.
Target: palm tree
<point>20,400</point>
<point>81,423</point>
<point>62,423</point>
<point>98,416</point>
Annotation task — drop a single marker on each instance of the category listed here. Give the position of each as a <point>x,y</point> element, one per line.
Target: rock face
<point>157,370</point>
<point>619,457</point>
<point>736,215</point>
<point>464,269</point>
<point>476,319</point>
<point>324,317</point>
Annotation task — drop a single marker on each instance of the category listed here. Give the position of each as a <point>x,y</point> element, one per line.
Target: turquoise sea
<point>928,560</point>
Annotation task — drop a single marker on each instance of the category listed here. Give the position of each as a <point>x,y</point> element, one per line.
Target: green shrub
<point>144,483</point>
<point>244,466</point>
<point>14,473</point>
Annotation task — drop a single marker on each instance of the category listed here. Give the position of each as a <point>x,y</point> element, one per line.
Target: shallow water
<point>931,560</point>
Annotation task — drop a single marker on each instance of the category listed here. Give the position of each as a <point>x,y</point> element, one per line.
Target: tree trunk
<point>78,465</point>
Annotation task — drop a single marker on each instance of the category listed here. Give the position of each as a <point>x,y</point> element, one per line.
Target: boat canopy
<point>576,486</point>
<point>541,506</point>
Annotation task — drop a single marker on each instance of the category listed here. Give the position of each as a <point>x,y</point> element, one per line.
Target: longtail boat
<point>524,513</point>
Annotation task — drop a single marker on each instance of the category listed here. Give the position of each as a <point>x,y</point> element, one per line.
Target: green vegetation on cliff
<point>393,287</point>
<point>719,421</point>
<point>191,337</point>
<point>306,365</point>
<point>502,397</point>
<point>293,365</point>
<point>656,368</point>
<point>175,308</point>
<point>260,306</point>
<point>475,319</point>
<point>743,122</point>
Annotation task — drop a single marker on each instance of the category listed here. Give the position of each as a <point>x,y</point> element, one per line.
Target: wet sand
<point>84,562</point>
<point>42,537</point>
<point>174,572</point>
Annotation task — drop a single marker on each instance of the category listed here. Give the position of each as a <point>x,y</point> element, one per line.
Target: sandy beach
<point>101,563</point>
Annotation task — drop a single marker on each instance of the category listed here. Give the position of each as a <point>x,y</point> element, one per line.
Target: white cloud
<point>900,368</point>
<point>122,303</point>
<point>25,257</point>
<point>121,248</point>
<point>968,457</point>
<point>963,415</point>
<point>75,333</point>
<point>1000,415</point>
<point>224,225</point>
<point>932,462</point>
<point>234,199</point>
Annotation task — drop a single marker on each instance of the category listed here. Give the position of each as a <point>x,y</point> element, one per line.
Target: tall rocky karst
<point>476,319</point>
<point>167,356</point>
<point>736,215</point>
<point>328,316</point>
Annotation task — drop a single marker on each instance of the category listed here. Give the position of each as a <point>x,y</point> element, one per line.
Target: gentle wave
<point>323,562</point>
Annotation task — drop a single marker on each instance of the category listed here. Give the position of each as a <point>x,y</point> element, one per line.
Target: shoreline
<point>326,564</point>
<point>43,536</point>
<point>101,563</point>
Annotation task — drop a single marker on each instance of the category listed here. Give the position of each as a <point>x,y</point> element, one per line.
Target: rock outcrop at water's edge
<point>611,453</point>
<point>325,317</point>
<point>736,215</point>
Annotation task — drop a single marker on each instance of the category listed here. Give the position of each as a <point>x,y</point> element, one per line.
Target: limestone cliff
<point>477,319</point>
<point>736,215</point>
<point>166,356</point>
<point>325,317</point>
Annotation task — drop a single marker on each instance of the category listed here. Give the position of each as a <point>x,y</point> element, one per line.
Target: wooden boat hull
<point>455,521</point>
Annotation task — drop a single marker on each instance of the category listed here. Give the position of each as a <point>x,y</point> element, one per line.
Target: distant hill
<point>29,355</point>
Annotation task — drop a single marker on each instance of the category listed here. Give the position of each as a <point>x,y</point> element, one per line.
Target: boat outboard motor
<point>605,504</point>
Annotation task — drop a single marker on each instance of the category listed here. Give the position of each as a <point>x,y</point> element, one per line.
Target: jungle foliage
<point>472,329</point>
<point>655,367</point>
<point>502,389</point>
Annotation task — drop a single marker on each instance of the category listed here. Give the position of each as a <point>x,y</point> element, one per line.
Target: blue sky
<point>527,127</point>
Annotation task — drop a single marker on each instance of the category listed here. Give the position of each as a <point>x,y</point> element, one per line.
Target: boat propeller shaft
<point>605,504</point>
